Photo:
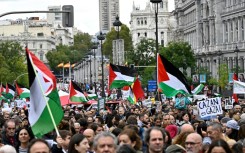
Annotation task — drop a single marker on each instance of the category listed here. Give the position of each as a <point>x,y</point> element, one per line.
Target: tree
<point>12,63</point>
<point>72,54</point>
<point>124,34</point>
<point>223,76</point>
<point>180,54</point>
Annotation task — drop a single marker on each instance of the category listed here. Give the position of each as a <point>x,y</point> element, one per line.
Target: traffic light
<point>68,18</point>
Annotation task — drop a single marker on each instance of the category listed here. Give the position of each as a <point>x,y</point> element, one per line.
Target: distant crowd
<point>124,127</point>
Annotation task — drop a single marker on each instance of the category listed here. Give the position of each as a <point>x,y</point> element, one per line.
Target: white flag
<point>238,87</point>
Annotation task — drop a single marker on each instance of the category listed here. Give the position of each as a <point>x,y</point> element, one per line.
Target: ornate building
<point>143,25</point>
<point>214,28</point>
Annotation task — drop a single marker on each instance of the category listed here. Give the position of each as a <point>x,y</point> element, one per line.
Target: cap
<point>232,124</point>
<point>175,149</point>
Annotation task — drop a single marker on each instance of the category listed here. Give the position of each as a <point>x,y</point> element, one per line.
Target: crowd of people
<point>128,128</point>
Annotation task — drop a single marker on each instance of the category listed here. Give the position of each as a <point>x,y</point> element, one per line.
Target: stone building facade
<point>214,28</point>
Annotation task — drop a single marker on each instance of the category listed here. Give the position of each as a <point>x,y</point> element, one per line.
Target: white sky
<point>86,12</point>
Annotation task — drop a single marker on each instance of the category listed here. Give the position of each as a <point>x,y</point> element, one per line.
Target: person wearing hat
<point>175,148</point>
<point>232,129</point>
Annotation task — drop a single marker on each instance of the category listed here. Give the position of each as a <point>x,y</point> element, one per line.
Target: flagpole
<point>50,113</point>
<point>63,77</point>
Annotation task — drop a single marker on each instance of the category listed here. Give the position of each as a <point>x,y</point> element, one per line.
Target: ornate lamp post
<point>94,47</point>
<point>156,21</point>
<point>117,24</point>
<point>101,37</point>
<point>219,53</point>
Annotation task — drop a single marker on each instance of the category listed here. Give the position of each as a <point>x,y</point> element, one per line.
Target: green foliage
<point>223,76</point>
<point>147,75</point>
<point>212,81</point>
<point>12,63</point>
<point>180,54</point>
<point>124,34</point>
<point>72,54</point>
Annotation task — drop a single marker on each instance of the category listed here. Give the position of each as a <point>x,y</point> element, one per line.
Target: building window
<point>145,21</point>
<point>236,30</point>
<point>41,55</point>
<point>41,46</point>
<point>145,34</point>
<point>138,34</point>
<point>33,44</point>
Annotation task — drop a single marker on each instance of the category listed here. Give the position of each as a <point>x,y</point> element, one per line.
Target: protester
<point>38,146</point>
<point>219,146</point>
<point>7,149</point>
<point>232,129</point>
<point>193,143</point>
<point>105,142</point>
<point>155,140</point>
<point>8,135</point>
<point>24,136</point>
<point>130,137</point>
<point>78,144</point>
<point>62,142</point>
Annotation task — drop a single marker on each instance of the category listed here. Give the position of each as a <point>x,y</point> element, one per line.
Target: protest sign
<point>210,107</point>
<point>229,103</point>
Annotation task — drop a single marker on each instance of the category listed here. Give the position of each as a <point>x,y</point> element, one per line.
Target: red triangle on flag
<point>235,95</point>
<point>112,76</point>
<point>162,73</point>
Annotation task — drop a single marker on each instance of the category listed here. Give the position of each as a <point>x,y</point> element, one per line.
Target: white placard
<point>229,103</point>
<point>210,107</point>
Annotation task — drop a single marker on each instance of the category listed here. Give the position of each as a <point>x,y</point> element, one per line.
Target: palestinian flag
<point>197,89</point>
<point>170,79</point>
<point>76,93</point>
<point>21,91</point>
<point>131,98</point>
<point>45,111</point>
<point>9,91</point>
<point>92,96</point>
<point>120,76</point>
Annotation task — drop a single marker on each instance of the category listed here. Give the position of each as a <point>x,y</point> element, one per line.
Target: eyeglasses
<point>191,143</point>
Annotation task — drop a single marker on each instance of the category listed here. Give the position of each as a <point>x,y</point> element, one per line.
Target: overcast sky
<point>86,11</point>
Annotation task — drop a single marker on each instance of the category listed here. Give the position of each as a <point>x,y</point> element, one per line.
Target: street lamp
<point>236,51</point>
<point>101,37</point>
<point>94,47</point>
<point>117,24</point>
<point>156,21</point>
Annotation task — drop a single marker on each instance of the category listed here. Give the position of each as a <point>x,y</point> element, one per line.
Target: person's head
<point>129,136</point>
<point>155,139</point>
<point>219,146</point>
<point>214,131</point>
<point>105,142</point>
<point>78,144</point>
<point>186,128</point>
<point>232,128</point>
<point>6,115</point>
<point>10,127</point>
<point>24,135</point>
<point>121,111</point>
<point>99,129</point>
<point>237,147</point>
<point>166,120</point>
<point>66,136</point>
<point>37,146</point>
<point>185,116</point>
<point>126,148</point>
<point>7,149</point>
<point>193,143</point>
<point>90,119</point>
<point>89,134</point>
<point>77,127</point>
<point>237,108</point>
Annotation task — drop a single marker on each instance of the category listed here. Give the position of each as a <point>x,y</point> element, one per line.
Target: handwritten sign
<point>229,103</point>
<point>210,107</point>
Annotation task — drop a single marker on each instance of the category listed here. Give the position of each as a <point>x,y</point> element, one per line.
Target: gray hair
<point>216,126</point>
<point>102,135</point>
<point>7,149</point>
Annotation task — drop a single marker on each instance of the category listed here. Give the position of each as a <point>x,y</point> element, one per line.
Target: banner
<point>210,107</point>
<point>238,87</point>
